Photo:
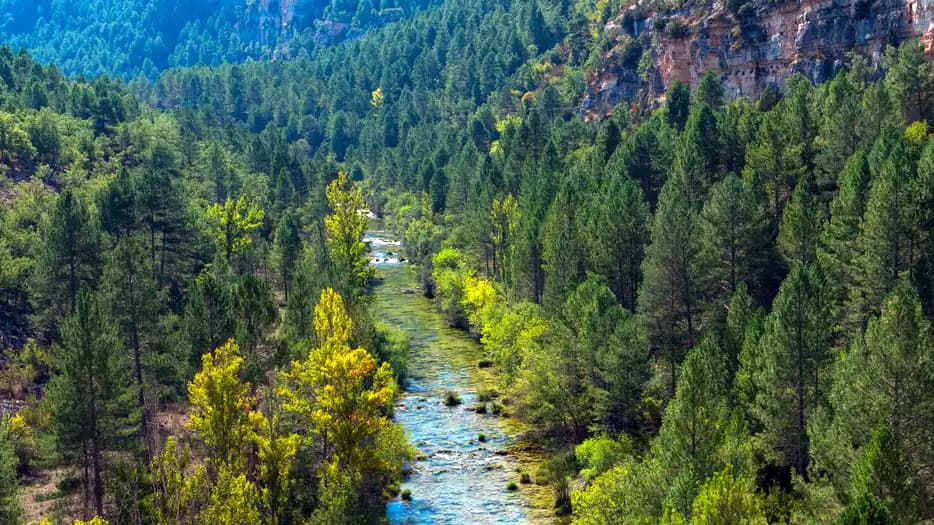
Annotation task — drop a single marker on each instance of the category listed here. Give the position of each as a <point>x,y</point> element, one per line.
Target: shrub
<point>512,487</point>
<point>452,399</point>
<point>406,495</point>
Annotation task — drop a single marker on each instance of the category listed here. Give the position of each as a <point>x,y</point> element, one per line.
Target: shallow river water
<point>458,479</point>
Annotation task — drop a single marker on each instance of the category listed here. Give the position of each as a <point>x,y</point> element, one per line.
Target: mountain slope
<point>130,37</point>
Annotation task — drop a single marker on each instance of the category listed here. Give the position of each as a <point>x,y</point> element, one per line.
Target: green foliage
<point>691,431</point>
<point>617,235</point>
<point>668,297</point>
<point>734,240</point>
<point>866,510</point>
<point>788,370</point>
<point>450,274</point>
<point>235,220</point>
<point>234,500</point>
<point>677,105</point>
<point>800,228</point>
<point>288,250</point>
<point>345,226</point>
<point>10,511</point>
<point>726,500</point>
<point>90,393</point>
<point>599,454</point>
<point>70,255</point>
<point>884,474</point>
<point>529,226</point>
<point>144,38</point>
<point>220,404</point>
<point>896,350</point>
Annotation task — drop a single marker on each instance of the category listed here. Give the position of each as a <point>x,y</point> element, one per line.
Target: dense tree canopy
<point>724,305</point>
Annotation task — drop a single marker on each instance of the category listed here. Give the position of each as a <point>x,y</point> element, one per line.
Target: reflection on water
<point>458,479</point>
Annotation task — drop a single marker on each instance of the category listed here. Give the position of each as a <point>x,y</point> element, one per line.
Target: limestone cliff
<point>759,46</point>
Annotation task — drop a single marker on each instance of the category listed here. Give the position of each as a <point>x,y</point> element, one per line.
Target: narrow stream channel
<point>458,479</point>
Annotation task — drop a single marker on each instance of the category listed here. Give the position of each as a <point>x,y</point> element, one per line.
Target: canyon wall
<point>812,37</point>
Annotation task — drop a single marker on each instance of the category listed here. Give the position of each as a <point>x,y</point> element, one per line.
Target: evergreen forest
<point>699,309</point>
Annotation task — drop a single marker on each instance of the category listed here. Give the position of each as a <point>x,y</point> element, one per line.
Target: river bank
<point>467,461</point>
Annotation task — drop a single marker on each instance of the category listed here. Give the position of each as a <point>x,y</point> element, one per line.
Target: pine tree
<point>837,250</point>
<point>617,235</point>
<point>622,370</point>
<point>678,105</point>
<point>884,473</point>
<point>727,500</point>
<point>163,211</point>
<point>866,510</point>
<point>668,297</point>
<point>795,352</point>
<point>885,238</point>
<point>70,253</point>
<point>208,320</point>
<point>840,116</point>
<point>734,241</point>
<point>117,205</point>
<point>298,319</point>
<point>692,427</point>
<point>774,162</point>
<point>219,172</point>
<point>288,249</point>
<point>886,376</point>
<point>89,393</point>
<point>908,82</point>
<point>534,199</point>
<point>255,314</point>
<point>136,304</point>
<point>742,314</point>
<point>697,157</point>
<point>800,230</point>
<point>563,253</point>
<point>709,90</point>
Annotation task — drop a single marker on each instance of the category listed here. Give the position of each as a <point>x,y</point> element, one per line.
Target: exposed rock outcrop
<point>761,48</point>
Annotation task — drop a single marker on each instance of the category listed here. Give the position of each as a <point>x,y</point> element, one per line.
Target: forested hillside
<point>128,38</point>
<point>705,310</point>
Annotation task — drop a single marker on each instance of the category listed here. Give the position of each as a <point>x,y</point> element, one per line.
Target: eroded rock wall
<point>812,37</point>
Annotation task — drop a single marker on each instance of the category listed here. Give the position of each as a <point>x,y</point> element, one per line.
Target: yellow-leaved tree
<point>180,486</point>
<point>234,501</point>
<point>220,406</point>
<point>345,227</point>
<point>339,393</point>
<point>276,449</point>
<point>235,222</point>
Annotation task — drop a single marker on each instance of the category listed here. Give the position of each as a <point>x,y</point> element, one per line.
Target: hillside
<point>127,38</point>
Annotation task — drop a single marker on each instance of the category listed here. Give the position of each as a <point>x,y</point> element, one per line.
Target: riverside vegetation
<point>707,310</point>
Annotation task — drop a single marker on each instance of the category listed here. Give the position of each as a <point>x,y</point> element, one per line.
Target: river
<point>463,468</point>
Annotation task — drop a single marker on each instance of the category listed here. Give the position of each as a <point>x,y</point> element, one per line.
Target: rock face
<point>762,48</point>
